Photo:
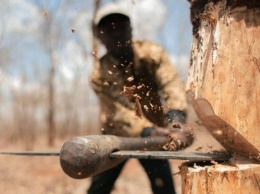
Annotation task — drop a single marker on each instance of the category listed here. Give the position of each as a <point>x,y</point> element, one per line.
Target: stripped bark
<point>225,70</point>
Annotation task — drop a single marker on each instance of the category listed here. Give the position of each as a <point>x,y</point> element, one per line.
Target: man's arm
<point>171,87</point>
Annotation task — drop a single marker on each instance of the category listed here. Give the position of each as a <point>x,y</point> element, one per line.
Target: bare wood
<point>225,70</point>
<point>225,64</point>
<point>240,179</point>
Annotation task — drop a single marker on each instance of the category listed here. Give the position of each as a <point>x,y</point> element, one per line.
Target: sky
<point>163,21</point>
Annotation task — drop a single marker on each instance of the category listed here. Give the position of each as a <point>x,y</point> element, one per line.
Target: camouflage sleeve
<point>127,124</point>
<point>95,79</point>
<point>117,117</point>
<point>172,88</point>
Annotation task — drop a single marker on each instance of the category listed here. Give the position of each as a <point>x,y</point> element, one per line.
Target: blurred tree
<point>60,29</point>
<point>51,37</point>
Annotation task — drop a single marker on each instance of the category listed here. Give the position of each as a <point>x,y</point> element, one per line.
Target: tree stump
<point>225,70</point>
<point>218,179</point>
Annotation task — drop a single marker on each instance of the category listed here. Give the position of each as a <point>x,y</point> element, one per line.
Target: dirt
<point>43,175</point>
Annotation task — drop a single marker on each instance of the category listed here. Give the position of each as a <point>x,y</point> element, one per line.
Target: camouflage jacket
<point>141,94</point>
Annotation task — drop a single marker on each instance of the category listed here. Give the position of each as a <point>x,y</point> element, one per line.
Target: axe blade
<point>224,133</point>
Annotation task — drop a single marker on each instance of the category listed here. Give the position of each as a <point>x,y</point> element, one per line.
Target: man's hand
<point>160,131</point>
<point>180,135</point>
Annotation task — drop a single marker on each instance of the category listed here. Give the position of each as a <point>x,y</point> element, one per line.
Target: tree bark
<point>225,70</point>
<point>225,63</point>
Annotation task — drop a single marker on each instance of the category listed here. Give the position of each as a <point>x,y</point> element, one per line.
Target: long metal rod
<point>171,155</point>
<point>141,155</point>
<point>32,153</point>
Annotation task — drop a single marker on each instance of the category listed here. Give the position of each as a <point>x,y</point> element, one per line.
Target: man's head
<point>113,28</point>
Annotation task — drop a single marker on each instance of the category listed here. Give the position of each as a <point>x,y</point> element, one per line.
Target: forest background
<point>45,62</point>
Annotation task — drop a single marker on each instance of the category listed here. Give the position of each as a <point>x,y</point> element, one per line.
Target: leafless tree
<point>52,37</point>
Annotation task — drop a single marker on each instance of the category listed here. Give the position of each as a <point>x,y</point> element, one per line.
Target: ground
<point>43,175</point>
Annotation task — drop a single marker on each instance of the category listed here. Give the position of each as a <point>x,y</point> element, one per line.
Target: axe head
<point>223,132</point>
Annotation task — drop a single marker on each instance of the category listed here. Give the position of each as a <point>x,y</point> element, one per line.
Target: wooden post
<point>225,70</point>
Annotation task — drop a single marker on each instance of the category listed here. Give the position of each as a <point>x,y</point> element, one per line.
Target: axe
<point>82,157</point>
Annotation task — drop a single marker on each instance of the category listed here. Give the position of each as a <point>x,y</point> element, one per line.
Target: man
<point>140,93</point>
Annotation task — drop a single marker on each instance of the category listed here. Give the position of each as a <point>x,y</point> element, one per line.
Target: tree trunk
<point>51,89</point>
<point>51,105</point>
<point>225,70</point>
